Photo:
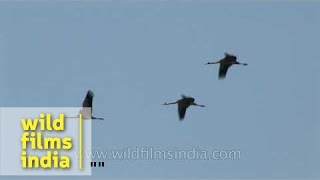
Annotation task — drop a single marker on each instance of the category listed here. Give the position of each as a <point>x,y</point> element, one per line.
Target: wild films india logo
<point>44,141</point>
<point>33,136</point>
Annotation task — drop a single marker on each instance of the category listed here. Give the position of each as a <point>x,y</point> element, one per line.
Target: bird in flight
<point>225,63</point>
<point>183,105</point>
<point>86,109</point>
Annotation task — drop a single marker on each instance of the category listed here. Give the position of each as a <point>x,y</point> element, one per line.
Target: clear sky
<point>137,55</point>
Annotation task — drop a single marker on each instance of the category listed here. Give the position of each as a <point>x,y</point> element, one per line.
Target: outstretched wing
<point>88,99</point>
<point>230,56</point>
<point>184,96</point>
<point>223,70</point>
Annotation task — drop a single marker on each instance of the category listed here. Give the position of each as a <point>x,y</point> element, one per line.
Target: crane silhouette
<point>183,105</point>
<point>225,63</point>
<point>86,109</point>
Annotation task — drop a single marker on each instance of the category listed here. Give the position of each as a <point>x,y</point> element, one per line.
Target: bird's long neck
<point>213,62</point>
<point>170,103</point>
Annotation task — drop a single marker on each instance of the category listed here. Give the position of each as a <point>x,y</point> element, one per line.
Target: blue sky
<point>137,55</point>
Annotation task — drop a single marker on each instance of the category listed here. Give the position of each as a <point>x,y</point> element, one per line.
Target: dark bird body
<point>86,110</point>
<point>183,105</point>
<point>225,63</point>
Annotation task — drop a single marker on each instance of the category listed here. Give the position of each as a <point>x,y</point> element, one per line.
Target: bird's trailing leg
<point>244,64</point>
<point>77,117</point>
<point>195,104</point>
<point>97,118</point>
<point>73,117</point>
